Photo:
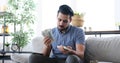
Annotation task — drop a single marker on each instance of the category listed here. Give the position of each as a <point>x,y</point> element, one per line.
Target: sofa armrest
<point>24,57</point>
<point>103,48</point>
<point>37,44</point>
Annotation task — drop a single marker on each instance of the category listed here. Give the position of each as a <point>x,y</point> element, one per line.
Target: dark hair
<point>65,9</point>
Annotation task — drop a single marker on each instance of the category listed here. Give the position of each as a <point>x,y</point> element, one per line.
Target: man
<point>68,41</point>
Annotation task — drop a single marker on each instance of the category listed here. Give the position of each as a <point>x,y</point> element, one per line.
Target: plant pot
<point>7,48</point>
<point>77,21</point>
<point>16,47</point>
<point>20,49</point>
<point>119,27</point>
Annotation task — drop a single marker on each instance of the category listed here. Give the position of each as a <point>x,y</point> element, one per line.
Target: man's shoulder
<point>76,28</point>
<point>54,30</point>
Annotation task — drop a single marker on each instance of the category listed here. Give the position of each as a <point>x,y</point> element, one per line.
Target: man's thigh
<point>60,60</point>
<point>39,58</point>
<point>73,59</point>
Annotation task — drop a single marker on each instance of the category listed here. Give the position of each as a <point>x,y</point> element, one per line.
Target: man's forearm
<point>79,54</point>
<point>46,50</point>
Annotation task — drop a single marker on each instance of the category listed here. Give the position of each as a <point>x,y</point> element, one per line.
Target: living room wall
<point>117,10</point>
<point>98,13</point>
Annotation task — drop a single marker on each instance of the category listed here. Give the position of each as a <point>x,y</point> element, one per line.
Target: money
<point>47,33</point>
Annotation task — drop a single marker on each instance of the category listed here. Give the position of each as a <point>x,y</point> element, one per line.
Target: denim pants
<point>39,58</point>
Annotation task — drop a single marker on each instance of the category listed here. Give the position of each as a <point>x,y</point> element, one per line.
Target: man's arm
<point>46,51</point>
<point>80,48</point>
<point>47,48</point>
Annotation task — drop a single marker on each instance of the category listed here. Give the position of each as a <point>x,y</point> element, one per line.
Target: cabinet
<point>3,55</point>
<point>114,32</point>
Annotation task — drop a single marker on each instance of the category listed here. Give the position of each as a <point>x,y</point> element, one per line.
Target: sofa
<point>98,49</point>
<point>35,45</point>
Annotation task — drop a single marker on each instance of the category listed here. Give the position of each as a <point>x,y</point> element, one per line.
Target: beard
<point>62,28</point>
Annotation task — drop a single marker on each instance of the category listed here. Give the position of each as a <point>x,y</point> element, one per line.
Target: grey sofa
<point>102,49</point>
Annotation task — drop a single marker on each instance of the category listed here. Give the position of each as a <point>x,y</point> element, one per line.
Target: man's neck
<point>64,30</point>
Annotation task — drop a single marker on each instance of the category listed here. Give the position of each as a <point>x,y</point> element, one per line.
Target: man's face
<point>63,21</point>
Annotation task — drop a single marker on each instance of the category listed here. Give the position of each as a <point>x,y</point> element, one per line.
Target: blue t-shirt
<point>71,37</point>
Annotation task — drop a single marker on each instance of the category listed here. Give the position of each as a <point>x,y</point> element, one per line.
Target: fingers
<point>64,51</point>
<point>60,48</point>
<point>47,41</point>
<point>69,47</point>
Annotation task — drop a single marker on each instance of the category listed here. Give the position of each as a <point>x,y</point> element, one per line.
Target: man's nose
<point>61,22</point>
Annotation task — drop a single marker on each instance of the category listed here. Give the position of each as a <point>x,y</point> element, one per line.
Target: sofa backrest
<point>38,45</point>
<point>103,49</point>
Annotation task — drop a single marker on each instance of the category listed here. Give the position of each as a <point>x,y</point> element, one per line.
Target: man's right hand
<point>47,41</point>
<point>47,46</point>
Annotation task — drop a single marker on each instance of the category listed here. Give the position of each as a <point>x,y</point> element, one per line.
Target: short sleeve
<point>80,36</point>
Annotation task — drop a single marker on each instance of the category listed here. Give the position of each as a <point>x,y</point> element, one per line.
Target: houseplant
<point>118,25</point>
<point>7,46</point>
<point>22,18</point>
<point>77,19</point>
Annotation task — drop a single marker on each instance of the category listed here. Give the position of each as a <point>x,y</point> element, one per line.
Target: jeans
<point>39,58</point>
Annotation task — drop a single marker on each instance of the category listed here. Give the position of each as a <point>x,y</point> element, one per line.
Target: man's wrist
<point>47,46</point>
<point>71,52</point>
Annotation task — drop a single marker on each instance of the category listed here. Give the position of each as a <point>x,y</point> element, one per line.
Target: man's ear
<point>70,19</point>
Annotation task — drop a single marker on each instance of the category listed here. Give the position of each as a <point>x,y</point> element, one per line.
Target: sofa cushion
<point>103,48</point>
<point>20,58</point>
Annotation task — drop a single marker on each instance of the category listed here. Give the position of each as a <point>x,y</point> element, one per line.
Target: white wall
<point>47,13</point>
<point>117,10</point>
<point>38,23</point>
<point>99,14</point>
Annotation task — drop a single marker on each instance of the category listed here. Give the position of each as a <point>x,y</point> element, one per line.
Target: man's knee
<point>36,58</point>
<point>73,59</point>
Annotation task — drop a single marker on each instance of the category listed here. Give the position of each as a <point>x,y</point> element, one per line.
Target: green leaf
<point>22,15</point>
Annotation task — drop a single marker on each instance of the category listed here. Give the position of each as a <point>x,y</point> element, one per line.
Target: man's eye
<point>59,19</point>
<point>65,21</point>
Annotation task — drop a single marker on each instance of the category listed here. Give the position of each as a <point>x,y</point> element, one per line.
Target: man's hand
<point>47,49</point>
<point>64,49</point>
<point>47,41</point>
